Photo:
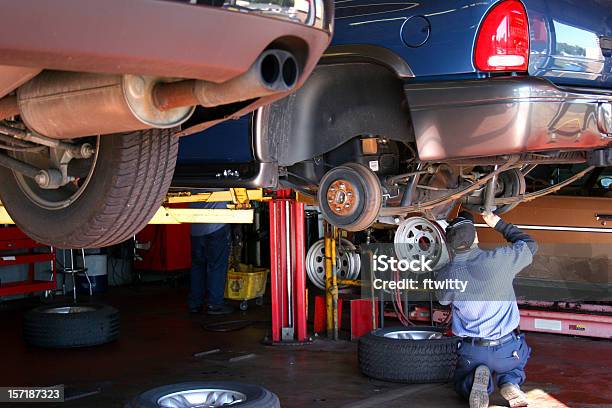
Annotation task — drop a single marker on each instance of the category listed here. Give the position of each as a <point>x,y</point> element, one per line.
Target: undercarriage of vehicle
<point>365,168</point>
<point>66,137</point>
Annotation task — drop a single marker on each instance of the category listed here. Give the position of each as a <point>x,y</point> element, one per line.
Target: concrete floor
<point>159,340</point>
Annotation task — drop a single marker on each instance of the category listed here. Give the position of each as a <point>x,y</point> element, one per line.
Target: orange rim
<point>341,197</point>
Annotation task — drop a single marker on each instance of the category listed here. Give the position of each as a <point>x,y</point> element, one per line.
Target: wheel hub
<point>341,197</point>
<point>418,237</point>
<point>53,189</point>
<point>70,309</point>
<point>413,335</point>
<point>201,398</point>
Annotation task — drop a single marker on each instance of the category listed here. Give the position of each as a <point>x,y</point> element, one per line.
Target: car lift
<point>573,319</point>
<point>288,270</point>
<point>238,212</point>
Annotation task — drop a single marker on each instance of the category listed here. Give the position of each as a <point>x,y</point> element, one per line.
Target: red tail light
<point>503,40</point>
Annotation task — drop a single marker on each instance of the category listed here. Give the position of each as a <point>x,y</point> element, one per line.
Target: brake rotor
<point>348,262</point>
<point>418,237</point>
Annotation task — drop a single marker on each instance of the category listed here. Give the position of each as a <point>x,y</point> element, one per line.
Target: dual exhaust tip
<point>274,71</point>
<point>279,70</point>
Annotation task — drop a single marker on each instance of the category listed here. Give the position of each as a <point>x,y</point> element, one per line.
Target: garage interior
<point>311,364</point>
<point>306,203</point>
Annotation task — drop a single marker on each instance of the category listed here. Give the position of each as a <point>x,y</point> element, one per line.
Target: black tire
<point>367,196</point>
<point>132,174</point>
<point>97,324</point>
<point>407,361</point>
<point>256,396</point>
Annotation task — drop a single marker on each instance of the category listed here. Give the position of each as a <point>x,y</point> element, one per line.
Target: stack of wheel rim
<point>348,262</point>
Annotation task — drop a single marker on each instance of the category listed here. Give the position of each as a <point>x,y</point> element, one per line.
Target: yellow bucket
<point>246,283</point>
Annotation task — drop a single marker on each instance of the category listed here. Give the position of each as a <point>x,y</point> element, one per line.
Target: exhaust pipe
<point>275,71</point>
<point>66,105</point>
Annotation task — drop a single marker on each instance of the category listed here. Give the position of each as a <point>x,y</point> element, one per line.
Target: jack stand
<point>287,271</point>
<point>74,270</point>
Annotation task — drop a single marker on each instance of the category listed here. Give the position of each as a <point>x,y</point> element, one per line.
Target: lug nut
<point>42,178</point>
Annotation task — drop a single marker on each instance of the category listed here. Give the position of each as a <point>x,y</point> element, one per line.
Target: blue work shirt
<point>198,230</point>
<point>487,309</point>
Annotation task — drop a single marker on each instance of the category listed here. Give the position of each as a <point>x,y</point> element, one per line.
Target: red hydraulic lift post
<point>300,271</point>
<point>287,269</point>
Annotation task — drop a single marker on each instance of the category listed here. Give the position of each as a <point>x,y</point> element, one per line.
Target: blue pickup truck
<point>419,105</point>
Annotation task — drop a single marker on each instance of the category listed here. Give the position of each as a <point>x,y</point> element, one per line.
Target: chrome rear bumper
<point>488,117</point>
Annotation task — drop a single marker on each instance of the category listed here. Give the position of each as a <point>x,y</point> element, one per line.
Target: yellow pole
<point>334,283</point>
<point>329,312</point>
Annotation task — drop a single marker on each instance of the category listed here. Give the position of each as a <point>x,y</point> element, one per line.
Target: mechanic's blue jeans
<point>506,362</point>
<point>209,259</point>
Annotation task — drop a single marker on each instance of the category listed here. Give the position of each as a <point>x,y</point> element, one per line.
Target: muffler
<point>66,105</point>
<point>8,107</point>
<point>275,71</point>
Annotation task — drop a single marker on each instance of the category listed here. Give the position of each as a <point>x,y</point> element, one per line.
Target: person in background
<point>210,249</point>
<point>486,316</point>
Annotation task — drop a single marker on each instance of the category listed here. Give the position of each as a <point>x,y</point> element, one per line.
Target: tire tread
<point>408,361</point>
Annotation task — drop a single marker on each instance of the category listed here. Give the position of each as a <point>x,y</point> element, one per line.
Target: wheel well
<point>339,102</point>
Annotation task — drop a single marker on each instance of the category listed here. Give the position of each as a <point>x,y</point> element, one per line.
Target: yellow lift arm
<point>238,212</point>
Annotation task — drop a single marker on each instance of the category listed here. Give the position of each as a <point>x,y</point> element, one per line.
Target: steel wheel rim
<point>342,197</point>
<point>201,398</point>
<point>416,237</point>
<point>69,309</point>
<point>55,199</point>
<point>346,257</point>
<point>413,335</point>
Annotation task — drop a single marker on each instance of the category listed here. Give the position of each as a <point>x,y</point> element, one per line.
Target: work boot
<point>219,310</point>
<point>479,396</point>
<point>514,395</point>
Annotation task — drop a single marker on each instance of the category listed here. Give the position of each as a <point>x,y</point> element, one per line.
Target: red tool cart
<point>16,248</point>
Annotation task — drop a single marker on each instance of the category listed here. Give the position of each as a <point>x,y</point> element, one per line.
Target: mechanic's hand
<point>490,218</point>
